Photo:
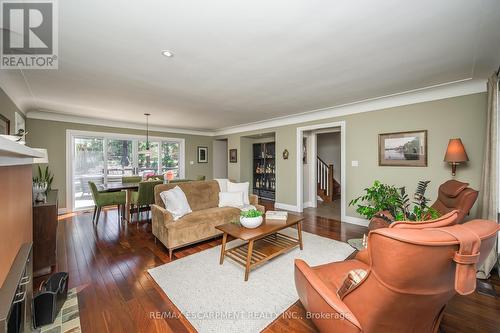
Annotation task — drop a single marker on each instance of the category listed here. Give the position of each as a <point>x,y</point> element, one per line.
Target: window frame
<point>70,157</point>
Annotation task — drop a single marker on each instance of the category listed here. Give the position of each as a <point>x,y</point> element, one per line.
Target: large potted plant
<point>383,204</point>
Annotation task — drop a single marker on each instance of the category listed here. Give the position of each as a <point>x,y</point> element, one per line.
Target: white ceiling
<point>238,62</point>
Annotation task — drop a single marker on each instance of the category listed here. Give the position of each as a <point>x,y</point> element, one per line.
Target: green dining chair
<point>131,179</point>
<point>103,199</point>
<point>200,177</point>
<point>145,196</point>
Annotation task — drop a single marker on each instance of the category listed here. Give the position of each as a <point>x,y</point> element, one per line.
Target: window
<point>104,158</point>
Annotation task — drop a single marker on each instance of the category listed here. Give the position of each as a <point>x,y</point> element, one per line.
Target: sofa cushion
<point>214,216</point>
<point>231,199</point>
<point>175,202</point>
<point>240,187</point>
<point>200,194</point>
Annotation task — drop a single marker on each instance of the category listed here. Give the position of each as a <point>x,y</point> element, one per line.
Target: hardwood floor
<point>108,265</point>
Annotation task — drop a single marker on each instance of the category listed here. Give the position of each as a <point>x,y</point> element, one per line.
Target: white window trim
<point>71,134</point>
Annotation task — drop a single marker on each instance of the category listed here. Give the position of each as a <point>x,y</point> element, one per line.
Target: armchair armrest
<point>317,297</point>
<point>363,256</point>
<point>161,216</point>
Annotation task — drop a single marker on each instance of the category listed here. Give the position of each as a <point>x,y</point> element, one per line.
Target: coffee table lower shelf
<point>256,252</point>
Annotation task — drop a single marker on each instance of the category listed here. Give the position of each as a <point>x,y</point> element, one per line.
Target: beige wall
<point>463,117</point>
<point>52,135</point>
<point>8,109</point>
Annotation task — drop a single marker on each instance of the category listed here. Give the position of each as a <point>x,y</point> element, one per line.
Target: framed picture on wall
<point>403,149</point>
<point>202,154</point>
<point>233,155</point>
<point>4,125</point>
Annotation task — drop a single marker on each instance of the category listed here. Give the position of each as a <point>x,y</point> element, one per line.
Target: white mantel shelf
<point>13,153</point>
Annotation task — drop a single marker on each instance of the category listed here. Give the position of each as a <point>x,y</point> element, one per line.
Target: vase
<point>251,222</point>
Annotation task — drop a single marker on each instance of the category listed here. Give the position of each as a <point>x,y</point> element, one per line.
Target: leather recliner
<point>410,276</point>
<point>455,195</point>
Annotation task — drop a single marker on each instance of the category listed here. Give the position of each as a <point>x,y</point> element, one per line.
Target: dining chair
<point>145,196</point>
<point>131,179</point>
<point>103,199</point>
<point>155,177</point>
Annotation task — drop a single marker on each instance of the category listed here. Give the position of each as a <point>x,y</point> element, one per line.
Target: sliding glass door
<point>105,158</point>
<point>88,166</point>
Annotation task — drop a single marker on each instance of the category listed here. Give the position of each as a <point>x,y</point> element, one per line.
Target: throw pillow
<point>222,184</point>
<point>353,278</point>
<point>240,187</point>
<point>231,199</point>
<point>175,202</point>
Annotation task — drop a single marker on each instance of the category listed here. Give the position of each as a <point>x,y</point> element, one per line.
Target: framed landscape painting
<point>403,149</point>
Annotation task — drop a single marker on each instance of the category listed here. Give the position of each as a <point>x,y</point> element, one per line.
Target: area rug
<point>214,298</point>
<point>68,319</point>
<point>356,243</point>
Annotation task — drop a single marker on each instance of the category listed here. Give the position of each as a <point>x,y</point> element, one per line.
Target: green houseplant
<point>388,203</point>
<point>44,177</point>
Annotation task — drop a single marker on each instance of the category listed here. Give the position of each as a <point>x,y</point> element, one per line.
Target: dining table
<point>120,186</point>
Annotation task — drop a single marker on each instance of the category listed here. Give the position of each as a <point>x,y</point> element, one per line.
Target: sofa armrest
<point>317,297</point>
<point>161,216</point>
<point>254,199</point>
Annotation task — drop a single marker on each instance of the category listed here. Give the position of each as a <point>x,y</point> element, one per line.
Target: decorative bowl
<point>251,222</point>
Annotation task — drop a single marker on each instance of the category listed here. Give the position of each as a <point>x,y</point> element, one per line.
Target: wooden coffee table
<point>262,243</point>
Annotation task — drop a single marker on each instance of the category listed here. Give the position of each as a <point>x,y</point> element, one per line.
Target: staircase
<point>328,188</point>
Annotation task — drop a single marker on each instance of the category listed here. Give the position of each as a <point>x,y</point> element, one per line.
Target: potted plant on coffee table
<point>251,218</point>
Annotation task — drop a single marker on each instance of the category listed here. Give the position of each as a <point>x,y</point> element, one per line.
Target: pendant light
<point>147,152</point>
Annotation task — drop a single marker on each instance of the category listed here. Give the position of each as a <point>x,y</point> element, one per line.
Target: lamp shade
<point>44,159</point>
<point>455,152</point>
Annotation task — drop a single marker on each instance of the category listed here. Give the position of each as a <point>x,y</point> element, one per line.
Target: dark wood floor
<point>108,266</point>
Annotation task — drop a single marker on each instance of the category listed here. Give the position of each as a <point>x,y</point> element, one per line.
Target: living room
<point>163,166</point>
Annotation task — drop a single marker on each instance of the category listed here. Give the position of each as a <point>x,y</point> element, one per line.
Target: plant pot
<point>251,222</point>
<point>377,222</point>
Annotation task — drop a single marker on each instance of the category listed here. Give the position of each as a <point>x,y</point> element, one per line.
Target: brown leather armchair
<point>411,275</point>
<point>455,195</point>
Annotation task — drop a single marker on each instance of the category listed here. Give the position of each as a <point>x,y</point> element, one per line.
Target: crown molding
<point>47,115</point>
<point>426,94</point>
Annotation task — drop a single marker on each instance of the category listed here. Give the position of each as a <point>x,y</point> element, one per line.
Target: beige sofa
<point>203,198</point>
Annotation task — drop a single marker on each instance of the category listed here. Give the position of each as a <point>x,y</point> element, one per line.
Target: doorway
<point>220,159</point>
<point>321,171</point>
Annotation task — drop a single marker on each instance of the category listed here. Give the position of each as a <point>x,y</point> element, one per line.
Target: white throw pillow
<point>240,187</point>
<point>223,184</point>
<point>231,199</point>
<point>175,202</point>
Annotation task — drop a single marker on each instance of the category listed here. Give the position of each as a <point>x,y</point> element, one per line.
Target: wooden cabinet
<point>45,234</point>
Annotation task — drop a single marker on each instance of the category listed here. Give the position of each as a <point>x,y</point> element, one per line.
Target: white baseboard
<point>61,211</point>
<point>308,204</point>
<point>292,208</point>
<point>355,220</point>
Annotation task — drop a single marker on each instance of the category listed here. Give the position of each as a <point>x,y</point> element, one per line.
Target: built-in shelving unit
<point>264,170</point>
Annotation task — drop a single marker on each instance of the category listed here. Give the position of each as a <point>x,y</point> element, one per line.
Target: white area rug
<point>214,298</point>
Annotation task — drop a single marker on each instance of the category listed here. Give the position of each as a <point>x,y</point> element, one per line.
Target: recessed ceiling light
<point>167,53</point>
